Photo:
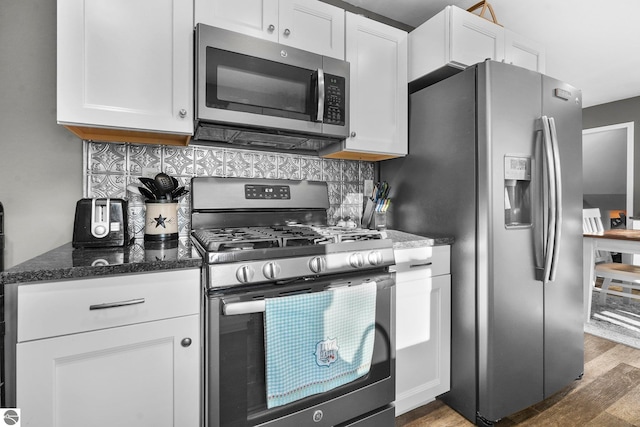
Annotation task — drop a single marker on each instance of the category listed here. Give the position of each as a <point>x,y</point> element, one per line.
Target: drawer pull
<point>116,304</point>
<point>425,264</point>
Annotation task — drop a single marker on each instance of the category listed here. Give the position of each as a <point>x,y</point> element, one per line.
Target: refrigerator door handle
<point>551,228</point>
<point>558,193</point>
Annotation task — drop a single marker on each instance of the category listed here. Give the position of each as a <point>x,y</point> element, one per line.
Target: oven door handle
<point>249,307</point>
<point>258,305</point>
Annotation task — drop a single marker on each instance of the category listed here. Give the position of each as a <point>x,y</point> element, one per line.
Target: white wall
<point>40,162</point>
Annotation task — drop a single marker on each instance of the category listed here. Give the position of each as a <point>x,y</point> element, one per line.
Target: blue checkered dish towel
<point>318,341</point>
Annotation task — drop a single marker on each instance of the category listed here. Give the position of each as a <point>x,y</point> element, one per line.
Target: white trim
<point>629,126</point>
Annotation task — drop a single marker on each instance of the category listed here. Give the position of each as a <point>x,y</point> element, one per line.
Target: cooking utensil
<point>178,193</point>
<point>150,183</point>
<point>164,184</point>
<point>146,193</point>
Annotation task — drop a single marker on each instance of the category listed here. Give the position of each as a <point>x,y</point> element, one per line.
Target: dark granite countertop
<point>402,240</point>
<point>65,262</point>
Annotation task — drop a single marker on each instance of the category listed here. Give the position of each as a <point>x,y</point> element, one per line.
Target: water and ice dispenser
<point>517,192</point>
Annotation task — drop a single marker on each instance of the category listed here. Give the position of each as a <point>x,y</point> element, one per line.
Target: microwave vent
<point>263,139</point>
<point>212,133</point>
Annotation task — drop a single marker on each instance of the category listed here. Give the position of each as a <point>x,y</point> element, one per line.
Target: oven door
<point>235,386</point>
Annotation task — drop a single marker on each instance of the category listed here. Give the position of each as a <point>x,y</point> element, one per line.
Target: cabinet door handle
<point>116,304</point>
<point>425,264</point>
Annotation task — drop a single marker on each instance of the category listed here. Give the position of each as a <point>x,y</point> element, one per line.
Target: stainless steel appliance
<point>495,161</point>
<point>263,239</point>
<point>259,93</point>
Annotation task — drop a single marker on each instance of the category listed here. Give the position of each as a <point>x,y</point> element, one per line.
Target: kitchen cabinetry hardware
<point>425,264</point>
<point>353,134</point>
<point>183,113</point>
<point>286,32</point>
<point>186,342</point>
<point>271,28</point>
<point>116,304</point>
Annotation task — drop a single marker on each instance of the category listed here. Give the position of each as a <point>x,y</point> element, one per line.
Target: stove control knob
<point>245,274</point>
<point>375,258</point>
<point>356,260</point>
<point>318,264</point>
<point>271,270</point>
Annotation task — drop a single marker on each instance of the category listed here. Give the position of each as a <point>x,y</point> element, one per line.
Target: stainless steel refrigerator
<point>495,160</point>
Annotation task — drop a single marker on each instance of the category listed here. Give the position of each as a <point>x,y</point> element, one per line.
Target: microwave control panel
<point>334,100</point>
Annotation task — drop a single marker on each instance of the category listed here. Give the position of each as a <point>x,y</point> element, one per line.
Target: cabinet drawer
<point>437,259</point>
<point>66,307</point>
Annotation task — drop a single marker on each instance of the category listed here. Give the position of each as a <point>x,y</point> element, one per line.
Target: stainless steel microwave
<point>256,92</point>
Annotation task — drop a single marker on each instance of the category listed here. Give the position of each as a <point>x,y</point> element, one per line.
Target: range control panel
<point>270,192</point>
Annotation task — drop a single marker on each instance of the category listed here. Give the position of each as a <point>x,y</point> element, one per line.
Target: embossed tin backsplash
<point>109,168</point>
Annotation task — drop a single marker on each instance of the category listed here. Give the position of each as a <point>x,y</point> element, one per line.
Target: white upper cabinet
<point>473,39</point>
<point>377,54</point>
<point>457,38</point>
<point>521,51</point>
<point>124,69</point>
<point>304,24</point>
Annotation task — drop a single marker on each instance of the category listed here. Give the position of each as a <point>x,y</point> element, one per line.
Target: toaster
<point>100,223</point>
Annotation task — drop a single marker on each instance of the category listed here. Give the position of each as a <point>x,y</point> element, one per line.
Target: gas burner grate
<point>225,240</point>
<point>291,235</point>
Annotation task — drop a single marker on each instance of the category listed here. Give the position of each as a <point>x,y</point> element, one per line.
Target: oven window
<point>242,397</point>
<point>244,83</point>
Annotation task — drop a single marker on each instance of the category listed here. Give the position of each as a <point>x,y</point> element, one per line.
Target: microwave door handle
<point>320,91</point>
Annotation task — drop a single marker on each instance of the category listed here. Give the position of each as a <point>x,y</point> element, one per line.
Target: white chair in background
<point>627,274</point>
<point>592,224</point>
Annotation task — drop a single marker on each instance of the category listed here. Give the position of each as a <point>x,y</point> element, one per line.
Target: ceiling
<point>590,44</point>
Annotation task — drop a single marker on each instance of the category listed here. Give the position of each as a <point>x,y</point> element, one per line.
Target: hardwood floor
<point>608,395</point>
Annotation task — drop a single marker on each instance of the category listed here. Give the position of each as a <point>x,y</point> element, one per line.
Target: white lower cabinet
<point>131,365</point>
<point>423,325</point>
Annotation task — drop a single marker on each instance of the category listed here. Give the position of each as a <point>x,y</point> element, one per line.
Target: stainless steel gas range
<point>278,283</point>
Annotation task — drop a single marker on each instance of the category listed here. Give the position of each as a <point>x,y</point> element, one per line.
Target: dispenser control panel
<point>518,168</point>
